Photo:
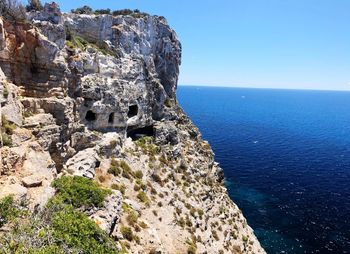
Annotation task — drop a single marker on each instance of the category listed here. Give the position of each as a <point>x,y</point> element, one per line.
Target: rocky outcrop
<point>95,96</point>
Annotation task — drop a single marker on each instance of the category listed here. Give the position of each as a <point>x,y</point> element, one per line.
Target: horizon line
<point>268,88</point>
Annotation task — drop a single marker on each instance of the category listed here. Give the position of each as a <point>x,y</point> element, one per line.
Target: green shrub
<point>143,224</point>
<point>132,217</point>
<point>142,196</point>
<point>200,212</point>
<point>58,228</point>
<point>192,247</point>
<point>118,167</point>
<point>82,10</point>
<point>8,210</point>
<point>181,222</point>
<point>245,238</point>
<point>215,235</point>
<point>34,5</point>
<point>74,41</point>
<point>157,179</point>
<point>167,103</point>
<point>5,92</point>
<point>127,233</point>
<point>120,188</point>
<point>114,168</point>
<point>80,191</point>
<point>76,230</point>
<point>193,212</point>
<point>134,13</point>
<point>7,130</point>
<point>102,11</point>
<point>139,174</point>
<point>6,140</point>
<point>146,145</point>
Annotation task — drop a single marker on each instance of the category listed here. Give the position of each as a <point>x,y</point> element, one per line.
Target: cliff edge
<point>94,96</point>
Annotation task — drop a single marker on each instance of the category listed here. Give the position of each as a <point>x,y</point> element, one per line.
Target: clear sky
<point>255,43</point>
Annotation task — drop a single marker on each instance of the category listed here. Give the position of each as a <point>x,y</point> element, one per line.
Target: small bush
<point>146,145</point>
<point>139,174</point>
<point>8,210</point>
<point>34,5</point>
<point>7,130</point>
<point>102,11</point>
<point>215,235</point>
<point>167,103</point>
<point>132,218</point>
<point>127,233</point>
<point>118,167</point>
<point>142,196</point>
<point>245,238</point>
<point>6,140</point>
<point>200,212</point>
<point>192,248</point>
<point>134,13</point>
<point>82,10</point>
<point>137,187</point>
<point>120,188</point>
<point>181,222</point>
<point>80,191</point>
<point>143,225</point>
<point>157,179</point>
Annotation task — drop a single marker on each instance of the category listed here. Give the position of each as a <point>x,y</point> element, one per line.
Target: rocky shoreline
<point>95,96</point>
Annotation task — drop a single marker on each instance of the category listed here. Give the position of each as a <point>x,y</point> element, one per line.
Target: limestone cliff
<point>95,96</point>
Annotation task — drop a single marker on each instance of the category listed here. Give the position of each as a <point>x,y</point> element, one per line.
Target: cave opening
<point>111,118</point>
<point>135,134</point>
<point>90,116</point>
<point>133,110</point>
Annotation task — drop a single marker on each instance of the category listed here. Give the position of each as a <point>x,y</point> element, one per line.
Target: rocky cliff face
<point>95,96</point>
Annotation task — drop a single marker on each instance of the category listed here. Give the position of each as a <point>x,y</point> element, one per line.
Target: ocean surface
<point>286,157</point>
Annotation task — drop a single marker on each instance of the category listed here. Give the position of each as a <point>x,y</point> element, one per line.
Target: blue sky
<point>302,44</point>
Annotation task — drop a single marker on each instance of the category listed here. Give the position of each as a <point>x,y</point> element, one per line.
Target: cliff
<point>95,96</point>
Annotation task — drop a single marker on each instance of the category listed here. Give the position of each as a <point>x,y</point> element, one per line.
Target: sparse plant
<point>132,218</point>
<point>139,174</point>
<point>137,187</point>
<point>82,10</point>
<point>8,210</point>
<point>127,233</point>
<point>142,196</point>
<point>34,5</point>
<point>102,11</point>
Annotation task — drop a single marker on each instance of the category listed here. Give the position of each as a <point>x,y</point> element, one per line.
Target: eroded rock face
<point>78,92</point>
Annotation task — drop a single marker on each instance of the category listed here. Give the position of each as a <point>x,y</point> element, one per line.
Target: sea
<point>286,158</point>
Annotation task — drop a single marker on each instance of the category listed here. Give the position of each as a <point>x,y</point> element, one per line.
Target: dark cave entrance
<point>135,134</point>
<point>111,118</point>
<point>133,110</point>
<point>90,116</point>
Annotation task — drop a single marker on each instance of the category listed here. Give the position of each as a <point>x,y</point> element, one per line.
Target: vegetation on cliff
<point>61,227</point>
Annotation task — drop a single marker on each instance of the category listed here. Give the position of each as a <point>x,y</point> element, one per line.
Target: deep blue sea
<point>286,157</point>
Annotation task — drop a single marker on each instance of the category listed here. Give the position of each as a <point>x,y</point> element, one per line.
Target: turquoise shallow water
<point>286,157</point>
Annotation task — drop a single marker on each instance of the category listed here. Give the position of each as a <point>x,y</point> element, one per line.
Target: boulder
<point>17,190</point>
<point>83,163</point>
<point>32,181</point>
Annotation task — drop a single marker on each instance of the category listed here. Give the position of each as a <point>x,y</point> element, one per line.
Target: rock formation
<point>95,96</point>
